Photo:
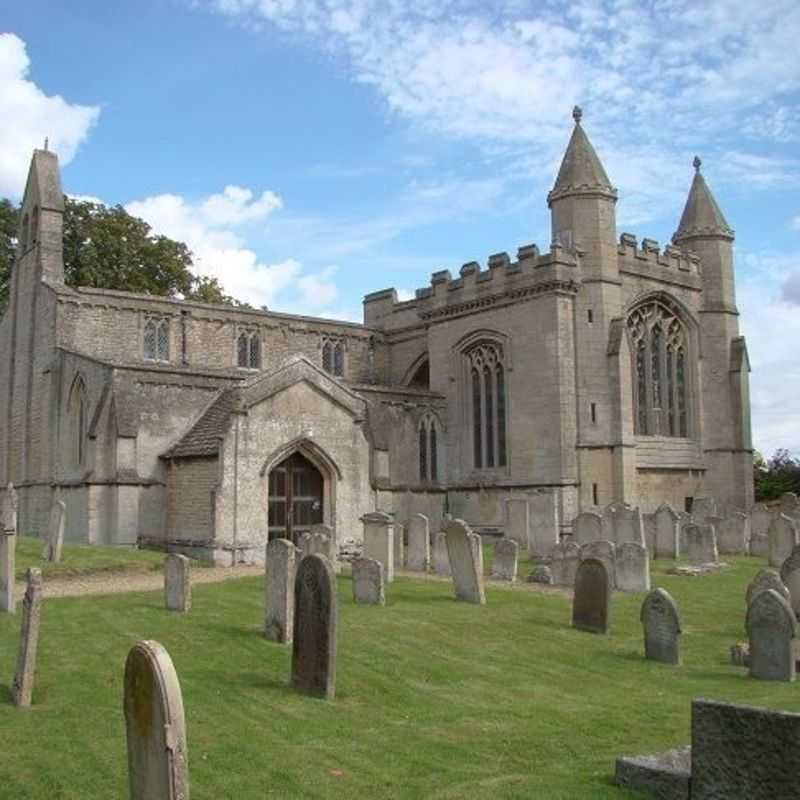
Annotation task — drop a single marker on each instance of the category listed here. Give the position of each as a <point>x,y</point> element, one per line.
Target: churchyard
<point>434,697</point>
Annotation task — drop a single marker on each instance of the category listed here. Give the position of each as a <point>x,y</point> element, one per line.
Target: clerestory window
<point>428,450</point>
<point>248,350</point>
<point>333,356</point>
<point>659,347</point>
<point>487,393</point>
<point>156,339</point>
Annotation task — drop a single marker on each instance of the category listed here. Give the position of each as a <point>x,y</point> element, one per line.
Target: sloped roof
<point>203,438</point>
<point>44,180</point>
<point>701,214</point>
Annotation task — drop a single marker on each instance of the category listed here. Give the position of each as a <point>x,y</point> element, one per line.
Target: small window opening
<point>594,412</point>
<point>594,495</point>
<point>688,502</point>
<point>590,316</point>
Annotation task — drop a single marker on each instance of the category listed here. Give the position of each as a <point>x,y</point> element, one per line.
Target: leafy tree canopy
<point>107,248</point>
<point>778,475</point>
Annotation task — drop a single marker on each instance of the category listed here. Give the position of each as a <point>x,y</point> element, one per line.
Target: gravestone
<point>28,640</point>
<point>701,544</point>
<point>323,542</point>
<point>790,505</point>
<point>517,520</point>
<point>10,509</point>
<point>606,552</point>
<point>543,522</point>
<point>462,549</point>
<point>441,561</point>
<point>305,544</point>
<point>587,527</point>
<point>564,560</point>
<point>662,627</point>
<point>627,524</point>
<point>667,541</point>
<point>177,583</point>
<point>476,543</point>
<point>590,603</point>
<point>541,574</point>
<point>398,536</point>
<point>770,629</point>
<point>733,534</point>
<point>782,537</point>
<point>55,540</point>
<point>418,556</point>
<point>790,575</point>
<point>759,545</point>
<point>280,568</point>
<point>158,755</point>
<point>379,541</point>
<point>744,752</point>
<point>649,530</point>
<point>504,567</point>
<point>8,545</point>
<point>314,643</point>
<point>703,507</point>
<point>632,568</point>
<point>760,518</point>
<point>766,579</point>
<point>368,582</point>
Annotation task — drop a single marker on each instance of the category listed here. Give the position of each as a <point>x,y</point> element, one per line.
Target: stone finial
<point>577,113</point>
<point>46,143</point>
<point>696,163</point>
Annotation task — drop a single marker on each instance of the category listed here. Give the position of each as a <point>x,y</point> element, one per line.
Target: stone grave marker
<point>606,552</point>
<point>590,603</point>
<point>517,520</point>
<point>368,585</point>
<point>22,688</point>
<point>771,629</point>
<point>662,627</point>
<point>632,568</point>
<point>462,548</point>
<point>703,507</point>
<point>790,505</point>
<point>379,541</point>
<point>701,544</point>
<point>790,575</point>
<point>177,583</point>
<point>504,567</point>
<point>10,509</point>
<point>766,579</point>
<point>323,542</point>
<point>565,558</point>
<point>419,544</point>
<point>55,540</point>
<point>587,527</point>
<point>627,524</point>
<point>399,546</point>
<point>760,518</point>
<point>782,537</point>
<point>667,539</point>
<point>649,530</point>
<point>8,544</point>
<point>280,568</point>
<point>305,544</point>
<point>441,561</point>
<point>733,534</point>
<point>543,522</point>
<point>158,755</point>
<point>759,545</point>
<point>314,642</point>
<point>476,543</point>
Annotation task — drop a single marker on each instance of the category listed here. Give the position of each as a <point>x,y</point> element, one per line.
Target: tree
<point>107,248</point>
<point>778,475</point>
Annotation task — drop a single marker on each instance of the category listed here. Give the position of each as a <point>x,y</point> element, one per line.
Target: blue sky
<point>310,151</point>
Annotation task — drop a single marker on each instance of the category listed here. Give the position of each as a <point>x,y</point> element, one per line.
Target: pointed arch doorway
<point>295,498</point>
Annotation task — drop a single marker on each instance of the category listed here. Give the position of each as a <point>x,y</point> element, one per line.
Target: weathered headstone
<point>441,561</point>
<point>587,528</point>
<point>305,544</point>
<point>759,545</point>
<point>368,585</point>
<point>771,629</point>
<point>419,544</point>
<point>280,568</point>
<point>10,508</point>
<point>177,583</point>
<point>790,505</point>
<point>790,575</point>
<point>541,574</point>
<point>55,540</point>
<point>627,524</point>
<point>703,507</point>
<point>733,534</point>
<point>766,579</point>
<point>649,531</point>
<point>667,541</point>
<point>743,752</point>
<point>632,568</point>
<point>606,552</point>
<point>517,520</point>
<point>158,755</point>
<point>323,542</point>
<point>399,546</point>
<point>564,560</point>
<point>782,537</point>
<point>476,543</point>
<point>8,544</point>
<point>701,544</point>
<point>465,565</point>
<point>591,600</point>
<point>543,522</point>
<point>504,567</point>
<point>760,518</point>
<point>379,541</point>
<point>28,640</point>
<point>314,643</point>
<point>662,627</point>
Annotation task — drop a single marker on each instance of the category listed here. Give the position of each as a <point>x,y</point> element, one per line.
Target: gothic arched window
<point>659,344</point>
<point>79,413</point>
<point>156,339</point>
<point>333,356</point>
<point>428,453</point>
<point>487,391</point>
<point>248,350</point>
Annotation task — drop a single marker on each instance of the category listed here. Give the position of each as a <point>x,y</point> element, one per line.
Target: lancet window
<point>156,339</point>
<point>487,392</point>
<point>248,350</point>
<point>659,344</point>
<point>79,411</point>
<point>333,356</point>
<point>428,450</point>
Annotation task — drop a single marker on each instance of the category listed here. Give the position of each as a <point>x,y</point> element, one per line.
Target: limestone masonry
<point>605,370</point>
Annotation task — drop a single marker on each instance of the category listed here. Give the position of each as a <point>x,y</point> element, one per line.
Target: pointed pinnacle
<point>577,113</point>
<point>696,163</point>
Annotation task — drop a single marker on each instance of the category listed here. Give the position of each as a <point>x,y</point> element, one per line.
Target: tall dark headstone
<point>314,644</point>
<point>590,604</point>
<point>662,627</point>
<point>771,628</point>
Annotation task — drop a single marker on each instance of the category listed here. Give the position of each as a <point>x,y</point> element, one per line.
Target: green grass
<point>435,698</point>
<point>84,559</point>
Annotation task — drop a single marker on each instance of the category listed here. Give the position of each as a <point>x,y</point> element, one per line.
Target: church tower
<point>724,363</point>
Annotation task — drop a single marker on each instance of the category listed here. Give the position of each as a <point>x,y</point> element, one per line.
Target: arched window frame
<point>428,439</point>
<point>155,339</point>
<point>248,349</point>
<point>333,356</point>
<point>660,342</point>
<point>78,409</point>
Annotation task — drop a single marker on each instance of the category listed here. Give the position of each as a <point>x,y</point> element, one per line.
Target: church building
<point>603,370</point>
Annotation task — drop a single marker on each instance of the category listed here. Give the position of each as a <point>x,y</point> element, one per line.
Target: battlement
<point>474,288</point>
<point>671,263</point>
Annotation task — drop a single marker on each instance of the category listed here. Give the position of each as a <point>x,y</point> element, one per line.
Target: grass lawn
<point>83,559</point>
<point>435,699</point>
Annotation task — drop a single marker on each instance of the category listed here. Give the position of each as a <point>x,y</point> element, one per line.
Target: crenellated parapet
<point>503,281</point>
<point>670,265</point>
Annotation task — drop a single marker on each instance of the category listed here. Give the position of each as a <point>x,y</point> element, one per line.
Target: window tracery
<point>248,350</point>
<point>428,453</point>
<point>156,339</point>
<point>487,382</point>
<point>333,356</point>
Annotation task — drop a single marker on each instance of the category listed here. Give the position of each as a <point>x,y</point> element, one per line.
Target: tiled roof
<point>203,438</point>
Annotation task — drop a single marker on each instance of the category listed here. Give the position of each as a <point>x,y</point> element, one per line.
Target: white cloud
<point>29,115</point>
<point>236,206</point>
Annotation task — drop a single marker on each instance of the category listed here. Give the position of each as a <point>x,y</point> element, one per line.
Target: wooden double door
<point>295,501</point>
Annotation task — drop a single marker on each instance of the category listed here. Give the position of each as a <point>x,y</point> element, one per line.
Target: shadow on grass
<point>6,693</point>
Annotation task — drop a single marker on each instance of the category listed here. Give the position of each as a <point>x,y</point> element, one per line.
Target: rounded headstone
<point>590,604</point>
<point>662,627</point>
<point>771,628</point>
